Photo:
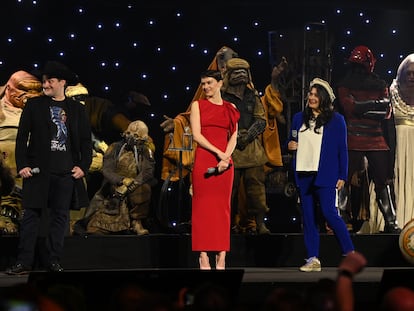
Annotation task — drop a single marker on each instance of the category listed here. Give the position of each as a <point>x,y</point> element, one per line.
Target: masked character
<point>14,94</point>
<point>123,201</point>
<point>363,96</point>
<point>402,99</point>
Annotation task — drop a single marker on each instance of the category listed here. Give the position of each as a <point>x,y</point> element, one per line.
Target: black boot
<point>387,207</point>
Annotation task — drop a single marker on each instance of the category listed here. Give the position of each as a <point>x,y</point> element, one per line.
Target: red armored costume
<point>363,97</point>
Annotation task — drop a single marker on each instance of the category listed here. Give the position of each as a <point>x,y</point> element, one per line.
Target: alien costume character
<point>249,156</point>
<point>402,99</point>
<point>363,96</point>
<point>123,201</point>
<point>14,94</point>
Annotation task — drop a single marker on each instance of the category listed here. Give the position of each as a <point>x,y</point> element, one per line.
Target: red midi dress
<point>210,222</point>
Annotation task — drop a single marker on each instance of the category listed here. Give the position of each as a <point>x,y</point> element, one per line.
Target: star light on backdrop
<point>160,48</point>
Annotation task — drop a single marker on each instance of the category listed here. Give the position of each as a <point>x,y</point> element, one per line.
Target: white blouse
<point>309,149</point>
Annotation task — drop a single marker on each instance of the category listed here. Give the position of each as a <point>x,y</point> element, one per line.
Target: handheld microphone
<point>294,134</point>
<point>33,171</point>
<point>214,170</point>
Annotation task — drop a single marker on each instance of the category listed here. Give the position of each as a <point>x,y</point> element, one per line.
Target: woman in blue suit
<point>318,138</point>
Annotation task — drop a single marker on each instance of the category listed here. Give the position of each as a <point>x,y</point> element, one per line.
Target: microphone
<point>33,171</point>
<point>214,170</point>
<point>294,134</point>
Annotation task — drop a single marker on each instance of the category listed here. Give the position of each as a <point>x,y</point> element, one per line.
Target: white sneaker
<point>312,265</point>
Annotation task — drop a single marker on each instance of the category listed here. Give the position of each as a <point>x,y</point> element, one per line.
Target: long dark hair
<point>325,106</point>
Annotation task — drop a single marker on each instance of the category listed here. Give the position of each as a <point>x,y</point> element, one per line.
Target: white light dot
<point>72,36</point>
<point>10,40</point>
<point>92,48</point>
<point>173,68</point>
<point>225,27</point>
<point>165,96</point>
<point>61,53</point>
<point>235,39</point>
<point>99,26</point>
<point>117,24</point>
<point>367,21</point>
<point>103,64</point>
<point>28,28</point>
<point>144,76</point>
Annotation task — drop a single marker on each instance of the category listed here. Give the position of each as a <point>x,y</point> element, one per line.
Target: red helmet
<point>363,55</point>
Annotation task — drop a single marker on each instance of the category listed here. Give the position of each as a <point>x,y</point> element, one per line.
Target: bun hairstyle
<point>215,74</point>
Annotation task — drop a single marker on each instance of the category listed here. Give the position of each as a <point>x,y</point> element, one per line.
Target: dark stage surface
<point>255,265</point>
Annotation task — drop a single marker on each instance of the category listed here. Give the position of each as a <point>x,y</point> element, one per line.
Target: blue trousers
<point>309,194</point>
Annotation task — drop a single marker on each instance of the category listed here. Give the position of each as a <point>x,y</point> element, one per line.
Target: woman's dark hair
<point>325,106</point>
<point>215,74</point>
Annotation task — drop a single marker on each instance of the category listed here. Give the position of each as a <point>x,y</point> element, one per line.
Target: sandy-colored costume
<point>124,199</point>
<point>20,86</point>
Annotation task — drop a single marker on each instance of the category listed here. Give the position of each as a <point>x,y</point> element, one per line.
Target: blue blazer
<point>333,162</point>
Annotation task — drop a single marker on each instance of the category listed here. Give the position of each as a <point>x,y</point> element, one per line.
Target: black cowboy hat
<point>54,69</point>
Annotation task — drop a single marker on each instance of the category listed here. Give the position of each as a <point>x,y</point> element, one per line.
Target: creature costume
<point>402,99</point>
<point>363,97</point>
<point>14,94</point>
<point>124,199</point>
<point>249,156</point>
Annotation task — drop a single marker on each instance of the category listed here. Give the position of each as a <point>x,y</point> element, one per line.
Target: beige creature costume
<point>13,96</point>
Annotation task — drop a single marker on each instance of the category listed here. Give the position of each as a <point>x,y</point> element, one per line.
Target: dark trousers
<point>59,202</point>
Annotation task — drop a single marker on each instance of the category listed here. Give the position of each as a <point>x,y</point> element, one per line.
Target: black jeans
<point>59,202</point>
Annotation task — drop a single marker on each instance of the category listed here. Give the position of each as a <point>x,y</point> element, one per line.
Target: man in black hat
<point>53,153</point>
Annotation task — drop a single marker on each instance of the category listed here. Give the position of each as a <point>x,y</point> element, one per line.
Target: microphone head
<point>35,170</point>
<point>294,133</point>
<point>211,170</point>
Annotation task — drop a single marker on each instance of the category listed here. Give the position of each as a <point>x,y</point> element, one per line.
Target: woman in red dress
<point>214,126</point>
